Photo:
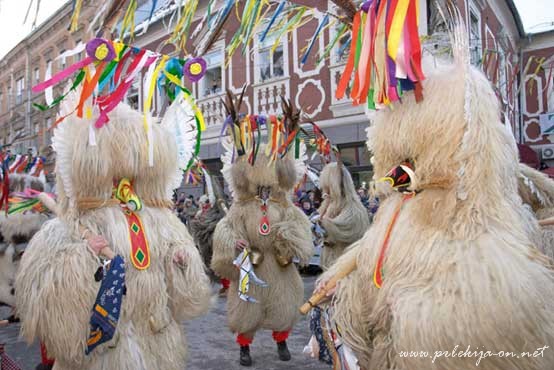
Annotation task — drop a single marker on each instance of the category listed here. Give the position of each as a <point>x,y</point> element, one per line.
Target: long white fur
<point>459,270</point>
<point>55,286</point>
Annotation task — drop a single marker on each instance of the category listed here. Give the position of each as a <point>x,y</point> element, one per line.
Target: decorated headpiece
<point>385,53</point>
<point>108,72</point>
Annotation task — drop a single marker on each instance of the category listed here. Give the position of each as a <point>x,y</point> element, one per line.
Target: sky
<point>12,14</point>
<point>536,15</point>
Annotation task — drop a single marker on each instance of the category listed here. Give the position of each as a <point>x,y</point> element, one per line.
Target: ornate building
<point>537,96</point>
<point>272,68</point>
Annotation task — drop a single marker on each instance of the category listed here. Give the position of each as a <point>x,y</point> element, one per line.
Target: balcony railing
<point>267,95</point>
<point>213,110</point>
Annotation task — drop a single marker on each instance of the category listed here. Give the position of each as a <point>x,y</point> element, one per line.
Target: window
<point>1,102</point>
<point>47,131</point>
<point>62,60</point>
<point>79,56</point>
<point>9,97</point>
<point>271,65</point>
<point>212,83</point>
<point>36,128</point>
<point>20,88</point>
<point>502,74</point>
<point>342,48</point>
<point>48,69</point>
<point>37,75</point>
<point>475,36</point>
<point>357,159</point>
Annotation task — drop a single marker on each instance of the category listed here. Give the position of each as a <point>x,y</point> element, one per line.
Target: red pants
<point>226,283</point>
<point>278,336</point>
<point>44,356</point>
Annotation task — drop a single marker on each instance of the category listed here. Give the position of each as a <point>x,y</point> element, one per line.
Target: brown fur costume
<point>460,269</point>
<point>343,216</point>
<point>55,286</point>
<point>290,237</point>
<point>202,229</point>
<point>537,191</point>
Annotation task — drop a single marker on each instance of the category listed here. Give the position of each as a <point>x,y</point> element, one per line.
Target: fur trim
<point>535,188</point>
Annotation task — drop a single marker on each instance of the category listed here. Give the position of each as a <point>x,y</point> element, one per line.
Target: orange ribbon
<point>378,273</point>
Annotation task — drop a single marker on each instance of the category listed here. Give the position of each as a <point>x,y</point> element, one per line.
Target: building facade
<point>497,43</point>
<point>28,63</point>
<point>537,95</point>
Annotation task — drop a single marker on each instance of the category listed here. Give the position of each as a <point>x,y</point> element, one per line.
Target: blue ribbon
<point>278,11</point>
<point>323,23</point>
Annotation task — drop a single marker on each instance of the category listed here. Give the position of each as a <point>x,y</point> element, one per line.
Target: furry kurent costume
<point>537,192</point>
<point>343,216</point>
<point>16,231</point>
<point>56,285</point>
<point>459,269</point>
<point>202,227</point>
<point>274,231</point>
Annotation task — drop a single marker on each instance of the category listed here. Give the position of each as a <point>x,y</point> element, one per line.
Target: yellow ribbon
<point>396,27</point>
<point>197,112</point>
<point>148,105</point>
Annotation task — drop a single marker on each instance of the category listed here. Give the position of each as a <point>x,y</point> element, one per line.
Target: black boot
<point>283,351</point>
<point>245,359</point>
<point>44,367</point>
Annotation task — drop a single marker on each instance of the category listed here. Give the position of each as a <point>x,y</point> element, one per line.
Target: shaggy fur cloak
<point>55,286</point>
<point>460,268</point>
<point>202,230</point>
<point>343,216</point>
<point>15,233</point>
<point>537,191</point>
<point>290,237</point>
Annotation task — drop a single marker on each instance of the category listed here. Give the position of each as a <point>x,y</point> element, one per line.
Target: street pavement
<point>211,346</point>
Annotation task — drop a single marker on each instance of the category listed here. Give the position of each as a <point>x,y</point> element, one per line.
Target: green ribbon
<point>57,101</point>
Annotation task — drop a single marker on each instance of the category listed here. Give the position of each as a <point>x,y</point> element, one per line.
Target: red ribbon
<point>345,78</point>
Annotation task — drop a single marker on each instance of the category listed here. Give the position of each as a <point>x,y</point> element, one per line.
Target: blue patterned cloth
<point>317,327</point>
<point>107,307</point>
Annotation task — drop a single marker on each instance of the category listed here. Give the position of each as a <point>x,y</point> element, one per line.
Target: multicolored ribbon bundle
<point>25,201</point>
<point>247,137</point>
<point>116,65</point>
<point>108,72</point>
<point>26,164</point>
<point>385,54</point>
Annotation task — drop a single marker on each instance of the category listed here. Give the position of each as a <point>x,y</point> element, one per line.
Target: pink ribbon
<point>62,75</point>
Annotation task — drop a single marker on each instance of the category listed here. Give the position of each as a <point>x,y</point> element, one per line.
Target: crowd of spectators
<point>188,207</point>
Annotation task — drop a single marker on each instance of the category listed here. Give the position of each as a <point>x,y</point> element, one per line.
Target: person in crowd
<point>49,163</point>
<point>307,205</point>
<point>188,210</point>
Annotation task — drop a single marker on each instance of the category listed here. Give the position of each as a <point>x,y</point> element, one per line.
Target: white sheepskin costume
<point>56,287</point>
<point>460,269</point>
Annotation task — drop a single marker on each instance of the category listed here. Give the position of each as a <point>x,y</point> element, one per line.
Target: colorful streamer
<point>322,24</point>
<point>385,54</point>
